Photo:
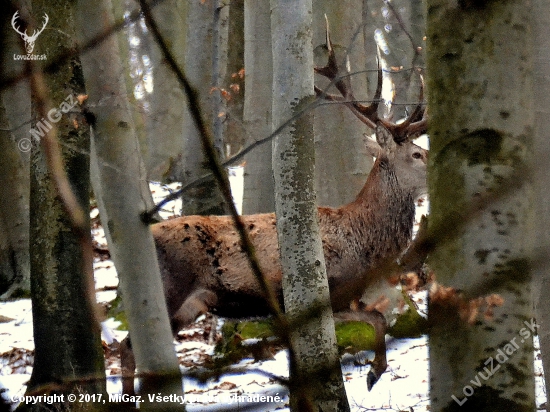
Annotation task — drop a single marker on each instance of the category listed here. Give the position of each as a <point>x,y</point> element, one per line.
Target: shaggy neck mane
<point>382,215</point>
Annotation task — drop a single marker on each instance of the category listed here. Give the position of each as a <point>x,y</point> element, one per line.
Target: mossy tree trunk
<point>481,130</point>
<point>14,167</point>
<point>316,377</point>
<point>68,352</point>
<point>14,209</point>
<point>541,22</point>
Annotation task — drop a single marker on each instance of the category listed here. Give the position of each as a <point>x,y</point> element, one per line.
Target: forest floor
<point>404,386</point>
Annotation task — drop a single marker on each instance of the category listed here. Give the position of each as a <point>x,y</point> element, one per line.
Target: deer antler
<point>414,125</point>
<point>36,33</point>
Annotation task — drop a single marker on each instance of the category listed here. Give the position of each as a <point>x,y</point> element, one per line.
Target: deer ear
<point>373,148</point>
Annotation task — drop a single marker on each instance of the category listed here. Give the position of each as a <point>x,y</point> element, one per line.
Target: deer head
<point>393,140</point>
<point>29,40</point>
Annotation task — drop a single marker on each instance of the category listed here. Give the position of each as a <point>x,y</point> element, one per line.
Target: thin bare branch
<point>215,165</point>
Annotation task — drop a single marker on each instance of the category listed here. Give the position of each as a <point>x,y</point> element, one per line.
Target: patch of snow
<point>17,333</point>
<point>404,386</point>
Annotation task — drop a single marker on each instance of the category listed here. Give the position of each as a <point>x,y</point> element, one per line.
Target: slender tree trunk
<point>315,368</point>
<point>541,179</point>
<point>370,11</point>
<point>481,130</point>
<point>234,81</point>
<point>399,53</point>
<point>206,33</point>
<point>259,192</point>
<point>342,164</point>
<point>417,30</point>
<point>132,47</point>
<point>164,123</point>
<point>14,167</point>
<point>14,211</point>
<point>121,179</point>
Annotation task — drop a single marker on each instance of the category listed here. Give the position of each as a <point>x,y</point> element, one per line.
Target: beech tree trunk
<point>14,207</point>
<point>481,199</point>
<point>206,40</point>
<point>258,190</point>
<point>66,333</point>
<point>316,377</point>
<point>342,163</point>
<point>14,167</point>
<point>164,122</point>
<point>541,179</point>
<point>121,200</point>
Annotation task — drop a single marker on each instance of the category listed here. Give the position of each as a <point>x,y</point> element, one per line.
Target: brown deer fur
<point>203,267</point>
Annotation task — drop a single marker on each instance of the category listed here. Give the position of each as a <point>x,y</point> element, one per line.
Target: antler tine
<point>402,132</point>
<point>330,71</point>
<point>367,114</point>
<point>411,127</point>
<point>36,33</point>
<point>371,111</point>
<point>418,111</point>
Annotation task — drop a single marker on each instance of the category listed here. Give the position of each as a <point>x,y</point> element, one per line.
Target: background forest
<point>103,101</point>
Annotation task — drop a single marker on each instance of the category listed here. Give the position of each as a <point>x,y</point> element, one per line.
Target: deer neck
<point>384,211</point>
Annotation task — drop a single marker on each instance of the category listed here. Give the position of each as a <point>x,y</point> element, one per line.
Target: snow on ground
<point>404,386</point>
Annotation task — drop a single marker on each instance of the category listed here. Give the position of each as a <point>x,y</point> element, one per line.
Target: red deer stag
<point>204,268</point>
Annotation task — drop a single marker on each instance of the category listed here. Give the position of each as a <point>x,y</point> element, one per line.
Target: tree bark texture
<point>66,336</point>
<point>205,59</point>
<point>481,198</point>
<point>258,191</point>
<point>342,163</point>
<point>122,199</point>
<point>541,179</point>
<point>315,368</point>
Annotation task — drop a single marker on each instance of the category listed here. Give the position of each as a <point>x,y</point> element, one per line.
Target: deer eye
<point>417,155</point>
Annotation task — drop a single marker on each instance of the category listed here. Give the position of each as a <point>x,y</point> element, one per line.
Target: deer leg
<point>128,366</point>
<point>196,304</point>
<point>378,322</point>
<point>379,363</point>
